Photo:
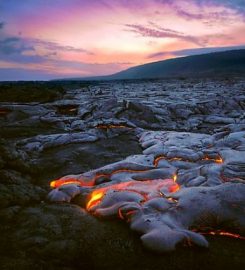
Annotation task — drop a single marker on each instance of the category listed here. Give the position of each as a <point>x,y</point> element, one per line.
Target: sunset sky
<point>46,39</point>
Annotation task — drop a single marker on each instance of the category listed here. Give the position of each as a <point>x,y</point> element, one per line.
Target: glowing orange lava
<point>148,189</point>
<point>96,197</point>
<point>144,188</point>
<point>216,160</point>
<point>91,182</point>
<point>62,182</point>
<point>223,233</point>
<point>174,188</point>
<point>157,159</point>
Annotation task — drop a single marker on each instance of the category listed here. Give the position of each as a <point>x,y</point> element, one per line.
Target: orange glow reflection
<point>174,188</point>
<point>223,233</point>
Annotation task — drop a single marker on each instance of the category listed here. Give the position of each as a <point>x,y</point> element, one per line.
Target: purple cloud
<point>211,17</point>
<point>162,33</point>
<point>235,5</point>
<point>165,29</point>
<point>2,25</point>
<point>53,46</point>
<point>18,46</point>
<point>13,45</point>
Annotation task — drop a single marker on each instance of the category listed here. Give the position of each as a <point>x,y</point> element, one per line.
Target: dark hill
<point>211,64</point>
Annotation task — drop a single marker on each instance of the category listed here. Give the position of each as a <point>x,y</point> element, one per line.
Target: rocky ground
<point>190,131</point>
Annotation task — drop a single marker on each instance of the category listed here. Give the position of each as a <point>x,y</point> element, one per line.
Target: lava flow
<point>218,160</point>
<point>61,182</point>
<point>89,182</point>
<point>148,189</point>
<point>96,197</point>
<point>222,233</point>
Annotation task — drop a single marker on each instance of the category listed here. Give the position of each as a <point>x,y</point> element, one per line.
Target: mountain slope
<point>211,64</point>
<point>206,64</point>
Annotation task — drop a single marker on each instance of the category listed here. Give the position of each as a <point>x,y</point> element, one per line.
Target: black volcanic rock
<point>30,91</point>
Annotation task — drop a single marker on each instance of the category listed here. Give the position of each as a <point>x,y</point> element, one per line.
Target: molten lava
<point>223,233</point>
<point>156,161</point>
<point>96,198</point>
<point>62,182</point>
<point>216,160</point>
<point>145,189</point>
<point>91,182</point>
<point>174,188</point>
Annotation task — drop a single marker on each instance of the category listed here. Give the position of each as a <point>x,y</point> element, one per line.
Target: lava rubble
<point>165,193</point>
<point>188,182</point>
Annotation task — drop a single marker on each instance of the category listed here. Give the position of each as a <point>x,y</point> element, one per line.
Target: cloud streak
<point>53,46</point>
<point>162,33</point>
<point>237,5</point>
<point>29,46</point>
<point>13,45</point>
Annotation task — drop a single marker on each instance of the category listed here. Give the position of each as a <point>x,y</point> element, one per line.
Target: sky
<point>48,39</point>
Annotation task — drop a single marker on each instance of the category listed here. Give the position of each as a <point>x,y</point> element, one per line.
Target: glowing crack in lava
<point>147,189</point>
<point>217,160</point>
<point>167,203</point>
<point>223,233</point>
<point>61,182</point>
<point>89,182</point>
<point>153,208</point>
<point>96,197</point>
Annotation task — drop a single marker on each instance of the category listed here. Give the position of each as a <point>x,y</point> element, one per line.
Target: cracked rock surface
<point>137,168</point>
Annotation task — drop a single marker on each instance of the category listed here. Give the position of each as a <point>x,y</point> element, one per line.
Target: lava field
<point>120,174</point>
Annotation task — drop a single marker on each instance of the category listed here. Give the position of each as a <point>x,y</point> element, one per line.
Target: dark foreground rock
<point>66,237</point>
<point>30,92</point>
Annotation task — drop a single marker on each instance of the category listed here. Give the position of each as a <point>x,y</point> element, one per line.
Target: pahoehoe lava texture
<point>164,156</point>
<point>162,211</point>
